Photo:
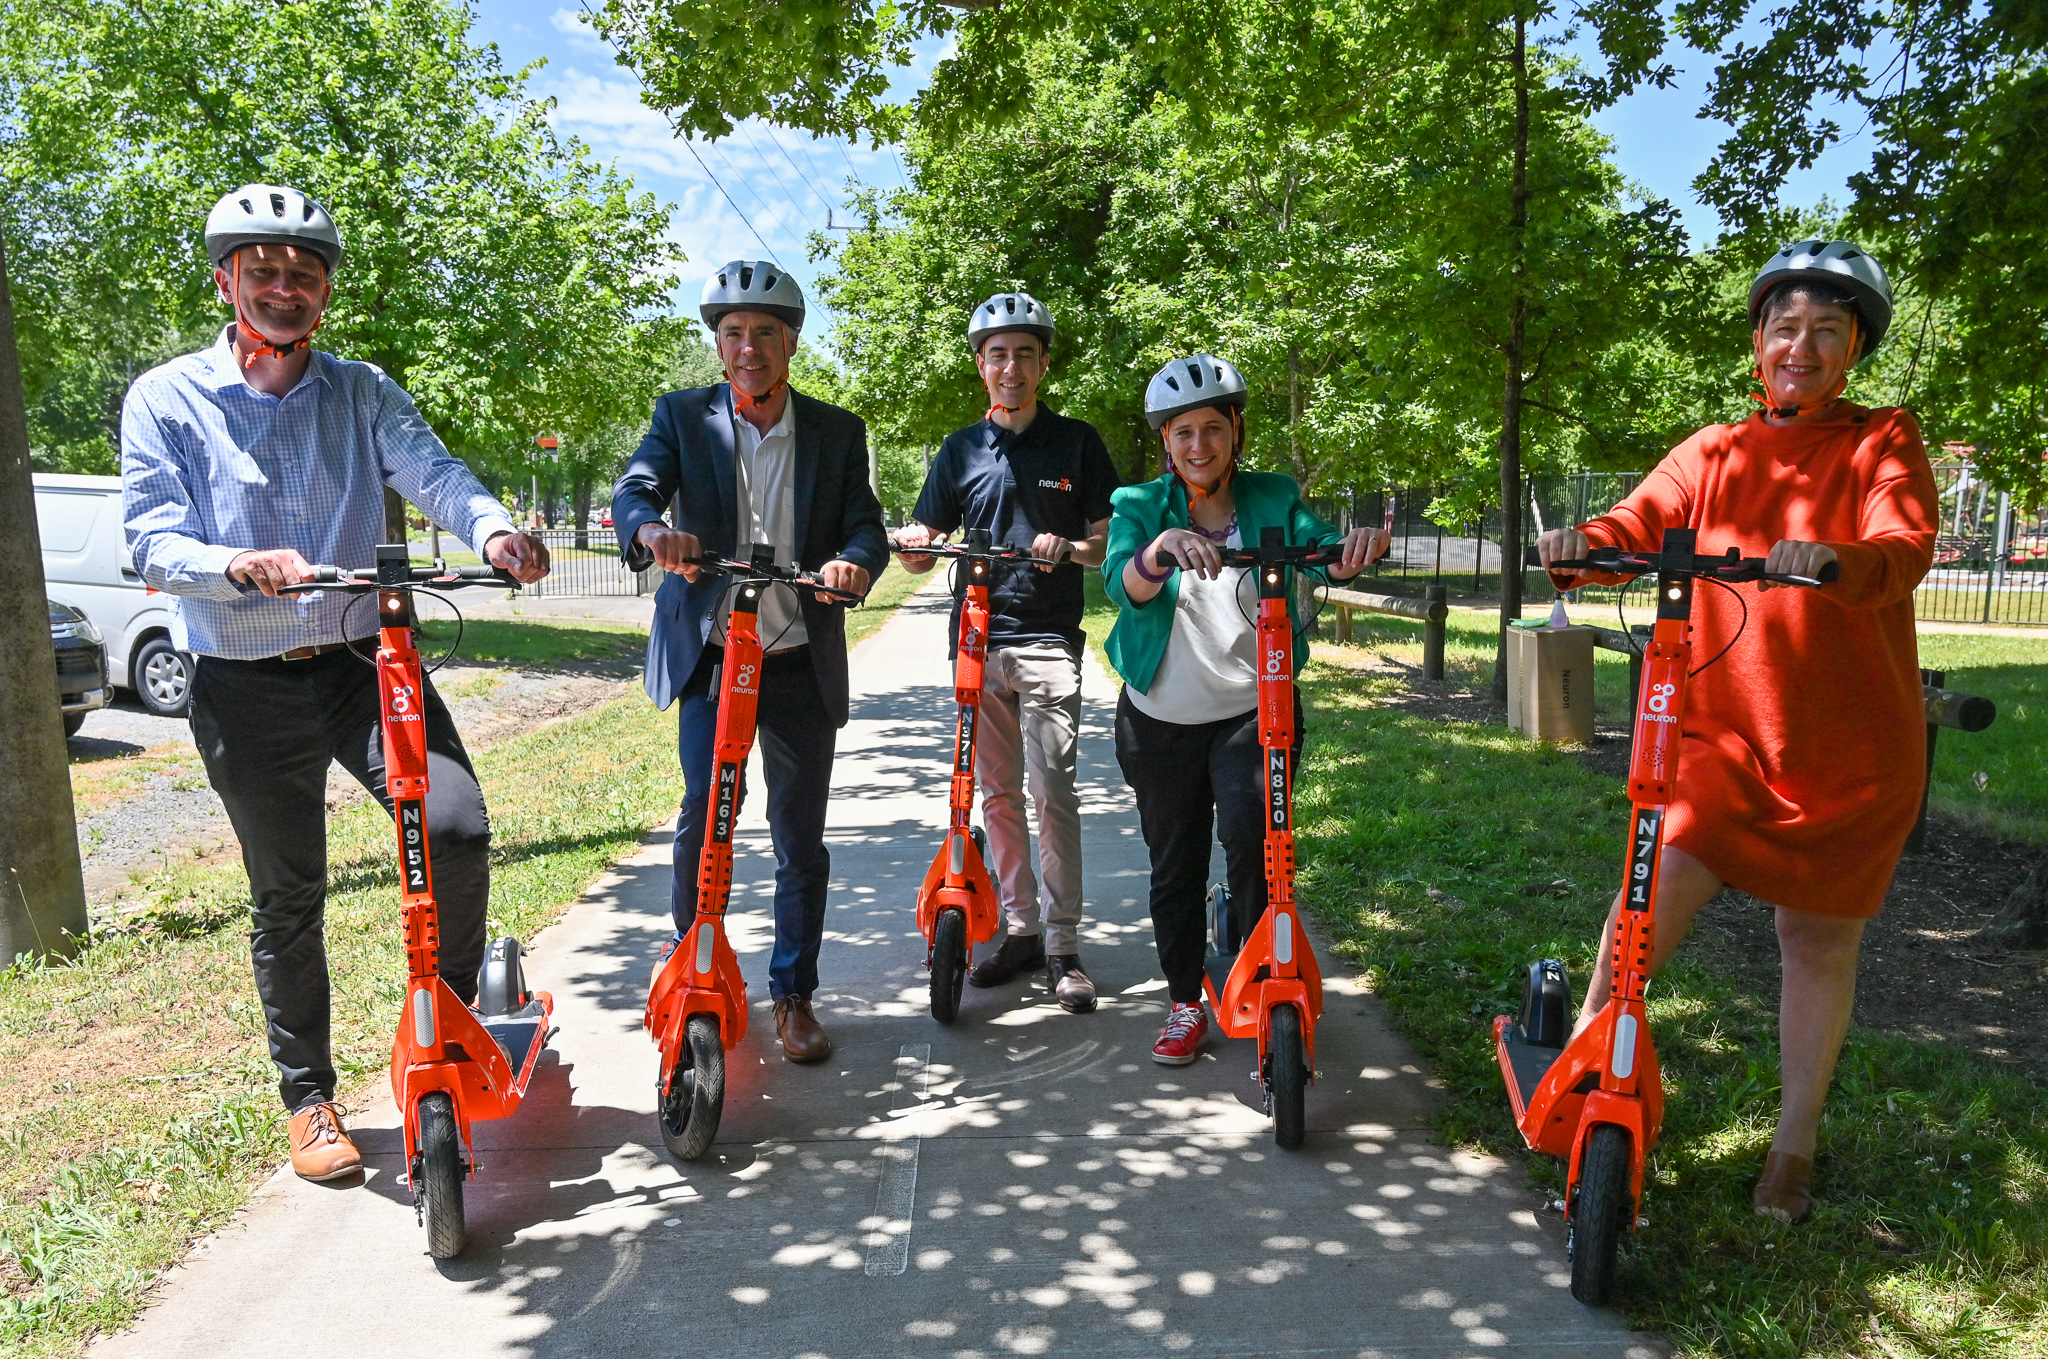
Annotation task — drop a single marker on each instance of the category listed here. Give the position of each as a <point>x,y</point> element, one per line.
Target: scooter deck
<point>1529,1063</point>
<point>1218,966</point>
<point>517,1034</point>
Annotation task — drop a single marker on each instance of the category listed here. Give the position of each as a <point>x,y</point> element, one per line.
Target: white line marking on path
<point>896,1195</point>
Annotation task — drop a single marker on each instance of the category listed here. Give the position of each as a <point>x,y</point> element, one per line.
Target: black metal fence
<point>1990,559</point>
<point>587,562</point>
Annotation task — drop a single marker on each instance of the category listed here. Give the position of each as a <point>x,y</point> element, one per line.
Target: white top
<point>764,468</point>
<point>1210,669</point>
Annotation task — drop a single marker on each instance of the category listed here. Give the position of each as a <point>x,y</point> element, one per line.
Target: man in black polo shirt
<point>1040,481</point>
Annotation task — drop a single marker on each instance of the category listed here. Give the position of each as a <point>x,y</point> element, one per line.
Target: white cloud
<point>574,25</point>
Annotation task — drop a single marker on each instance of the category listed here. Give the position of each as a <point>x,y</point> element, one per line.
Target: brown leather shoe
<point>1785,1191</point>
<point>803,1037</point>
<point>1070,985</point>
<point>320,1147</point>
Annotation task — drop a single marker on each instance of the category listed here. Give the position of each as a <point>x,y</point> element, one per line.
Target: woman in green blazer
<point>1187,732</point>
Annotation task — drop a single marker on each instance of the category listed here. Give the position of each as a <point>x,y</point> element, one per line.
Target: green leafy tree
<point>496,271</point>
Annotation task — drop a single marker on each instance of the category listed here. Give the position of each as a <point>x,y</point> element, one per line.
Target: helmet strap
<point>258,345</point>
<point>1779,410</point>
<point>995,406</point>
<point>742,403</point>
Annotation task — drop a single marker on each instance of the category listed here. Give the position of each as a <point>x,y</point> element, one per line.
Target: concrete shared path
<point>1023,1182</point>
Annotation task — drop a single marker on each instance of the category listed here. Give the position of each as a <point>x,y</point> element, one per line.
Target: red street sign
<point>548,441</point>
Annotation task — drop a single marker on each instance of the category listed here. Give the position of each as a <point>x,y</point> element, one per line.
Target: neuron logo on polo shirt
<point>1061,484</point>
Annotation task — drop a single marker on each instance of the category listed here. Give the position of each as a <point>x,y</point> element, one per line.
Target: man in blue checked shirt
<point>242,467</point>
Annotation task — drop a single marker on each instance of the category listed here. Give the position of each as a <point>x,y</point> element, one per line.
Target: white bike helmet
<point>1010,311</point>
<point>271,214</point>
<point>1840,265</point>
<point>1191,383</point>
<point>752,285</point>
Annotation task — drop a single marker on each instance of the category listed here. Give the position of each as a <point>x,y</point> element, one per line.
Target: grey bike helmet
<point>271,214</point>
<point>752,285</point>
<point>1190,384</point>
<point>1841,265</point>
<point>1010,311</point>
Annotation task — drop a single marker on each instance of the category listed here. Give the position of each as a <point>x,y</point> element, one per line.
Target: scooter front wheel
<point>1600,1209</point>
<point>439,1176</point>
<point>1287,1067</point>
<point>949,964</point>
<point>695,1097</point>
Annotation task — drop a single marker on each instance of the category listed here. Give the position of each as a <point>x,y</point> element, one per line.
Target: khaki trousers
<point>1031,724</point>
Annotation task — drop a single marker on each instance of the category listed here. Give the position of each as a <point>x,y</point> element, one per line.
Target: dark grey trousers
<point>267,731</point>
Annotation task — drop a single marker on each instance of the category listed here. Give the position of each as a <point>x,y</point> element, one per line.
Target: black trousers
<point>797,740</point>
<point>267,731</point>
<point>1197,783</point>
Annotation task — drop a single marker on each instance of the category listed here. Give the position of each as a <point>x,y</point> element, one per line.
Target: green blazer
<point>1142,512</point>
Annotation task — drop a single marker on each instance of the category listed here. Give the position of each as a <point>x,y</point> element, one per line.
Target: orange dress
<point>1805,746</point>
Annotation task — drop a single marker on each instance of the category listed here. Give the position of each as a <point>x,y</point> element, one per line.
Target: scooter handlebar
<point>1005,553</point>
<point>350,581</point>
<point>785,575</point>
<point>1729,568</point>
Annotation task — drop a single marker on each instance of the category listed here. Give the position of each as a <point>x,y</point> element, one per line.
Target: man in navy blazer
<point>751,460</point>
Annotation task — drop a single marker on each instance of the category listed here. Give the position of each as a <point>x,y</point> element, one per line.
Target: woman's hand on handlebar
<point>1191,551</point>
<point>271,571</point>
<point>1562,545</point>
<point>520,555</point>
<point>673,549</point>
<point>1792,558</point>
<point>1361,547</point>
<point>841,574</point>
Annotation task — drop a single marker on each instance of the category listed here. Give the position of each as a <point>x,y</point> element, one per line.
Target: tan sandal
<point>1785,1190</point>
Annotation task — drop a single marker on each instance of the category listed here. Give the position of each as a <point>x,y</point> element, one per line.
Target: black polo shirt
<point>1053,477</point>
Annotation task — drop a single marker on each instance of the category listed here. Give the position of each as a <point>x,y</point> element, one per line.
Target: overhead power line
<point>728,197</point>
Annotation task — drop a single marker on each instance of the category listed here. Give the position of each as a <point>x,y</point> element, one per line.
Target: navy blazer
<point>687,456</point>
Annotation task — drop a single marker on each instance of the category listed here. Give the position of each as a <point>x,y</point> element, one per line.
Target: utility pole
<point>42,888</point>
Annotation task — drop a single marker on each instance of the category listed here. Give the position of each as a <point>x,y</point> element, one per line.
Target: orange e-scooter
<point>451,1066</point>
<point>1597,1099</point>
<point>956,903</point>
<point>697,1003</point>
<point>1268,986</point>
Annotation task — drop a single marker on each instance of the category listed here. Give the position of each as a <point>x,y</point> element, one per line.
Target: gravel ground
<point>175,816</point>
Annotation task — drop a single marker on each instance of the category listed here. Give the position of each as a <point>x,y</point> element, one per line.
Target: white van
<point>86,564</point>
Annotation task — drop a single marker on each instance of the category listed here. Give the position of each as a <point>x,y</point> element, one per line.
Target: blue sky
<point>765,189</point>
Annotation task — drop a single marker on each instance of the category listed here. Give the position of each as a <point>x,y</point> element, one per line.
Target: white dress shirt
<point>764,470</point>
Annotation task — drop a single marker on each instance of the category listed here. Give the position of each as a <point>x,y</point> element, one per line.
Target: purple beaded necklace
<point>1221,535</point>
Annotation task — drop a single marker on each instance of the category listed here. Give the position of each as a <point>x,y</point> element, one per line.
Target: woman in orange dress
<point>1804,746</point>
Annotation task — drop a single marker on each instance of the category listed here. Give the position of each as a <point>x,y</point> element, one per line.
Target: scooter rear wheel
<point>1287,1065</point>
<point>440,1176</point>
<point>949,964</point>
<point>695,1097</point>
<point>1222,924</point>
<point>1600,1210</point>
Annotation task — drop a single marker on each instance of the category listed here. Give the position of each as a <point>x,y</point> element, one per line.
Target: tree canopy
<point>495,270</point>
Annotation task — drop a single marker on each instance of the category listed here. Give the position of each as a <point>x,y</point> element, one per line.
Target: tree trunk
<point>582,513</point>
<point>42,889</point>
<point>395,529</point>
<point>2023,921</point>
<point>1511,392</point>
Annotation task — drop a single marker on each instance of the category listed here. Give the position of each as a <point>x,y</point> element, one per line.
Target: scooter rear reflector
<point>705,944</point>
<point>959,848</point>
<point>1283,939</point>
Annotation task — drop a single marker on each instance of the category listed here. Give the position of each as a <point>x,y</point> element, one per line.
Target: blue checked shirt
<point>212,468</point>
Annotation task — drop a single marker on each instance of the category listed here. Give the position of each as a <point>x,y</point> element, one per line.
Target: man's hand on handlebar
<point>521,555</point>
<point>911,537</point>
<point>271,571</point>
<point>1792,558</point>
<point>1361,547</point>
<point>841,574</point>
<point>673,549</point>
<point>1052,547</point>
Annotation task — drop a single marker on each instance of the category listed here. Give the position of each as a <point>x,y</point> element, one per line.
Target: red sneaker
<point>1186,1027</point>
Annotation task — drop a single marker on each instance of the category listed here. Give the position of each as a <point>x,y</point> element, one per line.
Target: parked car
<point>87,565</point>
<point>81,665</point>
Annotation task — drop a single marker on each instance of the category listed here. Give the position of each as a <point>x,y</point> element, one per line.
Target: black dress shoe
<point>1070,985</point>
<point>1019,954</point>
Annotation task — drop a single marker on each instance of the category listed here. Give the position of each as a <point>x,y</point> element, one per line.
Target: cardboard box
<point>1550,684</point>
